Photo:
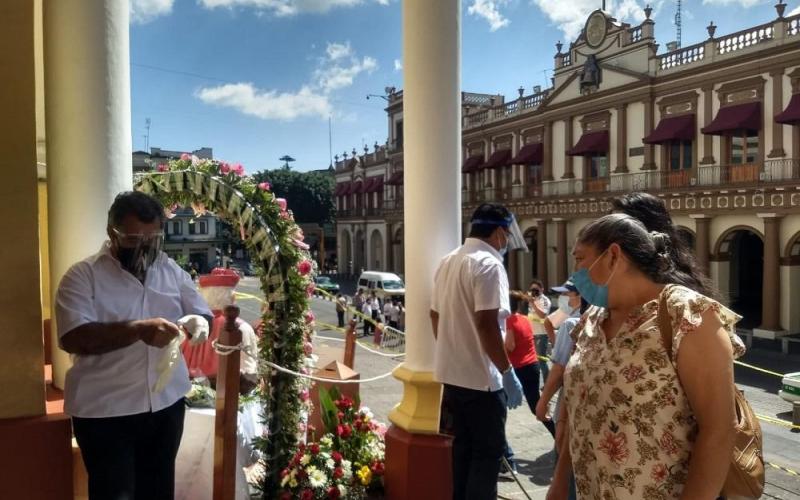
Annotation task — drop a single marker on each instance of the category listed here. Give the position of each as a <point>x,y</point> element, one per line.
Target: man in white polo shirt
<point>468,314</point>
<point>116,311</point>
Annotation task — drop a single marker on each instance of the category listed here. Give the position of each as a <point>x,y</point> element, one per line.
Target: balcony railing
<point>682,56</point>
<point>635,34</point>
<point>501,111</point>
<point>567,60</point>
<point>746,38</point>
<point>793,26</point>
<point>393,204</point>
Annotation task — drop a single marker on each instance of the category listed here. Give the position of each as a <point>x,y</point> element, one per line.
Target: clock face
<point>596,29</point>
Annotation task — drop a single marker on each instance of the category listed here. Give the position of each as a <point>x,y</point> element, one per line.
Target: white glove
<point>169,360</point>
<point>196,327</point>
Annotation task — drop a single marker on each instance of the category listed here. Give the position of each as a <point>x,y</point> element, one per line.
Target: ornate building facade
<point>712,128</point>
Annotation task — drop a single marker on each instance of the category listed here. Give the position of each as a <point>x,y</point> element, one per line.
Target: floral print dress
<point>631,429</point>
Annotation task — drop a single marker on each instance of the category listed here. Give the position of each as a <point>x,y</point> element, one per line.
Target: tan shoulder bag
<point>746,473</point>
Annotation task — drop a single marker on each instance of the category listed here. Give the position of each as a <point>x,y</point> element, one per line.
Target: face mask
<point>136,260</point>
<point>563,304</point>
<point>503,251</point>
<point>595,294</point>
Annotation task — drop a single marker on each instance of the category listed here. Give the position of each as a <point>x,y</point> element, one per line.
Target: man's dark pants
<point>479,422</point>
<point>131,457</point>
<point>528,376</point>
<point>340,317</point>
<point>542,346</point>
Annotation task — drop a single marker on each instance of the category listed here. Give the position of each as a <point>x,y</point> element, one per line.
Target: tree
<point>309,194</point>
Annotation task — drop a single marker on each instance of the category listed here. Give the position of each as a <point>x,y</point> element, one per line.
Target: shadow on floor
<point>539,471</point>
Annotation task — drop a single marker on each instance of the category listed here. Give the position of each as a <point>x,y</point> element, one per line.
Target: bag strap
<point>664,324</point>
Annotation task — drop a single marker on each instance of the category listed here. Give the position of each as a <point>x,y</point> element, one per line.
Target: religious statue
<point>591,75</point>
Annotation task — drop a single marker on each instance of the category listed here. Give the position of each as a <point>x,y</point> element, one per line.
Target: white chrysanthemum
<point>293,482</point>
<point>342,491</point>
<point>330,463</point>
<point>347,469</point>
<point>316,477</point>
<point>305,459</point>
<point>326,441</point>
<point>285,480</point>
<point>366,411</point>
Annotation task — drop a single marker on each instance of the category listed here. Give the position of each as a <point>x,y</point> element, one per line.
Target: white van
<point>383,284</point>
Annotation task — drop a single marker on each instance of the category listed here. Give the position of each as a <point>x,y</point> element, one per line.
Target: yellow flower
<point>365,475</point>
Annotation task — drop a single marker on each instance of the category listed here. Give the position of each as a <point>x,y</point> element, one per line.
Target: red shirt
<point>524,352</point>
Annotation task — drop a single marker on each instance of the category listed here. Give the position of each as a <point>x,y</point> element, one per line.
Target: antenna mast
<point>147,135</point>
<point>678,23</point>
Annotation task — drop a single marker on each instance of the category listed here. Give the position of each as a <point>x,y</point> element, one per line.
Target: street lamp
<point>286,159</point>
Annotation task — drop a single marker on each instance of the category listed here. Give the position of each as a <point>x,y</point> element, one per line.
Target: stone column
<point>513,269</point>
<point>777,107</point>
<point>622,139</point>
<point>771,304</point>
<point>569,161</point>
<point>702,241</point>
<point>547,153</point>
<point>418,458</point>
<point>708,115</point>
<point>562,264</point>
<point>87,93</point>
<point>541,251</point>
<point>649,161</point>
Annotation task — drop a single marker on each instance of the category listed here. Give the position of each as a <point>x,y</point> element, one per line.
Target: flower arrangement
<point>275,244</point>
<point>348,460</point>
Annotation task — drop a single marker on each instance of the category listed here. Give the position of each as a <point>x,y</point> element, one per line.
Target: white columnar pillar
<point>87,97</point>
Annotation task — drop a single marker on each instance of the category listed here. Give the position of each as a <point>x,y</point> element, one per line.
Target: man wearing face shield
<point>116,312</point>
<point>468,315</point>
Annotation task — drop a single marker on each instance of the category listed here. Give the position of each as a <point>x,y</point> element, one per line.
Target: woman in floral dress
<point>642,425</point>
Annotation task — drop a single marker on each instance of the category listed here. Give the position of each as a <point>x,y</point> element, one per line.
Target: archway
<point>398,251</point>
<point>359,253</point>
<point>345,252</point>
<point>742,247</point>
<point>276,247</point>
<point>376,251</point>
<point>790,284</point>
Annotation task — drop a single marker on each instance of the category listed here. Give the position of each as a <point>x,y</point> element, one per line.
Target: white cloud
<point>336,70</point>
<point>267,105</point>
<point>490,11</point>
<point>337,51</point>
<point>283,8</point>
<point>398,65</point>
<point>571,16</point>
<point>743,3</point>
<point>143,11</point>
<point>794,12</point>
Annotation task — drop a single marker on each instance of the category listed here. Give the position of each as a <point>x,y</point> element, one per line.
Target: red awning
<point>472,164</point>
<point>790,115</point>
<point>355,187</point>
<point>530,154</point>
<point>675,128</point>
<point>735,118</point>
<point>591,143</point>
<point>342,188</point>
<point>374,184</point>
<point>498,159</point>
<point>396,179</point>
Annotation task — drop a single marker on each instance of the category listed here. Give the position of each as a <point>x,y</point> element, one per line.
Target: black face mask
<point>135,260</point>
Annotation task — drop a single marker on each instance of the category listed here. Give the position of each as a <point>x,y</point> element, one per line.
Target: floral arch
<point>276,246</point>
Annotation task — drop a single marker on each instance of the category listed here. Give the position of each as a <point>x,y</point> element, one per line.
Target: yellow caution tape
<point>784,469</point>
<point>777,421</point>
<point>768,372</point>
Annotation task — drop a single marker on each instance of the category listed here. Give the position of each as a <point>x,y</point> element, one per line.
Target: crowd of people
<point>637,416</point>
<point>389,311</point>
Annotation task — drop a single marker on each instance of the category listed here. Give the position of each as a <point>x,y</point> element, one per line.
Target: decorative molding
<point>596,121</point>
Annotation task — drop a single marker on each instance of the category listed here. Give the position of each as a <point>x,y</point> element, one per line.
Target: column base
<point>418,465</point>
<point>766,333</point>
<point>707,160</point>
<point>649,166</point>
<point>777,153</point>
<point>418,411</point>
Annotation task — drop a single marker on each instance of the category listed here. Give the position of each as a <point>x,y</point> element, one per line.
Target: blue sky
<point>257,79</point>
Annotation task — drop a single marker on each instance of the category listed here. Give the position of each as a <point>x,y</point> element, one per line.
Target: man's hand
<point>513,389</point>
<point>541,411</point>
<point>196,327</point>
<point>157,332</point>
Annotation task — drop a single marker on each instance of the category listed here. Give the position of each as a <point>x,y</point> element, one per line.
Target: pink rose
<point>310,289</point>
<point>186,156</point>
<point>224,167</point>
<point>264,186</point>
<point>304,267</point>
<point>308,348</point>
<point>238,169</point>
<point>304,395</point>
<point>310,317</point>
<point>281,203</point>
<point>162,167</point>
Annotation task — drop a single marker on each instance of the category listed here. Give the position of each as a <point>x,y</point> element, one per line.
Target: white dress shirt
<point>120,382</point>
<point>470,279</point>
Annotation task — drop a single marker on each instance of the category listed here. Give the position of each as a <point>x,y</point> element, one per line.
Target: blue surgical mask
<point>595,294</point>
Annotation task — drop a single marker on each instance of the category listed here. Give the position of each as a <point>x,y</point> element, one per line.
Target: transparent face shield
<point>516,241</point>
<point>136,251</point>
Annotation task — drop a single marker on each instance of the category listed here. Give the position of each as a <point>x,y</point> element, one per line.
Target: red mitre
<point>220,277</point>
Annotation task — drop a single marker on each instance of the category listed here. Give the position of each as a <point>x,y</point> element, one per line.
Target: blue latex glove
<point>513,389</point>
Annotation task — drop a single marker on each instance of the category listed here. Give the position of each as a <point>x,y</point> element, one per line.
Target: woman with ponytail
<point>641,422</point>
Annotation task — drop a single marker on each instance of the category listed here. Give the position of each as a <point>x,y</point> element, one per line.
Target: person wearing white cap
<point>116,312</point>
<point>468,315</point>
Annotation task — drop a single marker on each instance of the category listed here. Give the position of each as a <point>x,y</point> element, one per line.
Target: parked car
<point>326,284</point>
<point>385,285</point>
<point>790,390</point>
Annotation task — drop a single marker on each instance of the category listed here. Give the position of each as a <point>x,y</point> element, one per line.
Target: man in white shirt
<point>394,314</point>
<point>468,312</point>
<point>116,311</point>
